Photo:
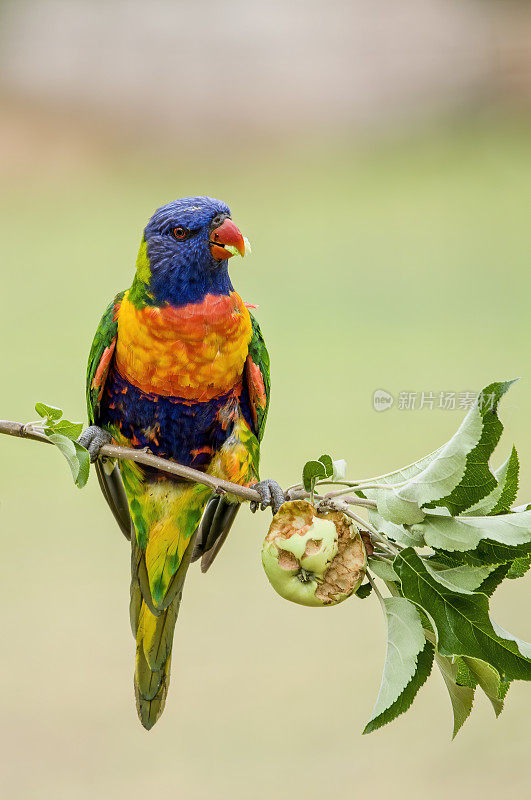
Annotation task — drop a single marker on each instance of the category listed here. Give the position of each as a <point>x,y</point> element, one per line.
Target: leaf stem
<point>358,487</point>
<point>375,588</point>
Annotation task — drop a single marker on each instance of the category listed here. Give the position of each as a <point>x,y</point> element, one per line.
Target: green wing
<point>258,380</point>
<point>100,357</point>
<point>100,360</point>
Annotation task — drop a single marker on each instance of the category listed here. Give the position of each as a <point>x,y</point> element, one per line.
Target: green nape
<point>138,294</point>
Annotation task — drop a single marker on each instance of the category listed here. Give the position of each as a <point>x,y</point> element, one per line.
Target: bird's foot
<point>93,439</point>
<point>271,494</point>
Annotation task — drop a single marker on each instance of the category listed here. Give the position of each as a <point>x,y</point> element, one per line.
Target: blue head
<point>188,243</point>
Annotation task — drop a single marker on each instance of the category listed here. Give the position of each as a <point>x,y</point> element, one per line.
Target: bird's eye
<point>180,233</point>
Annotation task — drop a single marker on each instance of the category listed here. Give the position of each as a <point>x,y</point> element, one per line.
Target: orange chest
<point>196,352</point>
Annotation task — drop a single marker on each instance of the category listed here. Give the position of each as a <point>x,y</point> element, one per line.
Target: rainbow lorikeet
<point>178,365</point>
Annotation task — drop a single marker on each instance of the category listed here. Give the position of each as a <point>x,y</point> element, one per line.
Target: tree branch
<point>218,485</point>
<point>34,432</point>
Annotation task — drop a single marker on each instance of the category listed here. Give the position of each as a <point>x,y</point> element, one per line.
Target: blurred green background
<point>391,258</point>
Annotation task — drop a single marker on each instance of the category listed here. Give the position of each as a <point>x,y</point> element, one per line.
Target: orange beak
<point>226,234</point>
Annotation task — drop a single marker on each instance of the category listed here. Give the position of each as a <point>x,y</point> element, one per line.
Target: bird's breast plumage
<point>196,352</point>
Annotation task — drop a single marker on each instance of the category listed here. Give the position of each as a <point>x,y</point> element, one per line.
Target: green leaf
<point>364,591</point>
<point>461,621</point>
<point>67,448</point>
<point>492,581</point>
<point>457,475</point>
<point>523,647</point>
<point>486,553</point>
<point>405,699</point>
<point>395,508</point>
<point>507,477</point>
<point>72,430</point>
<point>495,553</point>
<point>382,569</point>
<point>465,533</point>
<point>328,464</point>
<point>519,567</point>
<point>500,500</point>
<point>461,697</point>
<point>410,511</point>
<point>405,474</point>
<point>77,457</point>
<point>48,412</point>
<point>405,640</point>
<point>311,472</point>
<point>398,533</point>
<point>489,680</point>
<point>465,578</point>
<point>478,481</point>
<point>83,457</point>
<point>464,676</point>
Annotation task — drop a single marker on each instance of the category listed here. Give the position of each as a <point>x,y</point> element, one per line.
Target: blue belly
<point>188,432</point>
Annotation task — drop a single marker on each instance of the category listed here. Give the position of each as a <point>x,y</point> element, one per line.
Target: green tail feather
<point>152,663</point>
<point>153,628</point>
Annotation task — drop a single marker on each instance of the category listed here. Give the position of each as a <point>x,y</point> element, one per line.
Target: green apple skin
<point>287,581</point>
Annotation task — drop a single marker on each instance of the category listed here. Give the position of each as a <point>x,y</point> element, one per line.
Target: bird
<point>178,366</point>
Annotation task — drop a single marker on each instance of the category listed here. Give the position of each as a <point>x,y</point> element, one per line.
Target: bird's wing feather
<point>257,379</point>
<point>100,359</point>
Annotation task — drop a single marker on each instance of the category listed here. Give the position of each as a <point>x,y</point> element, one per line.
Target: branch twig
<point>218,485</point>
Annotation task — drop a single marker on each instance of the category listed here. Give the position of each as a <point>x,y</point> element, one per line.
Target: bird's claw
<point>93,439</point>
<point>271,494</point>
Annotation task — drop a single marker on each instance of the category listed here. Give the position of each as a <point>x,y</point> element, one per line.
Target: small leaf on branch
<point>48,412</point>
<point>328,464</point>
<point>312,472</point>
<point>77,457</point>
<point>83,457</point>
<point>72,430</point>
